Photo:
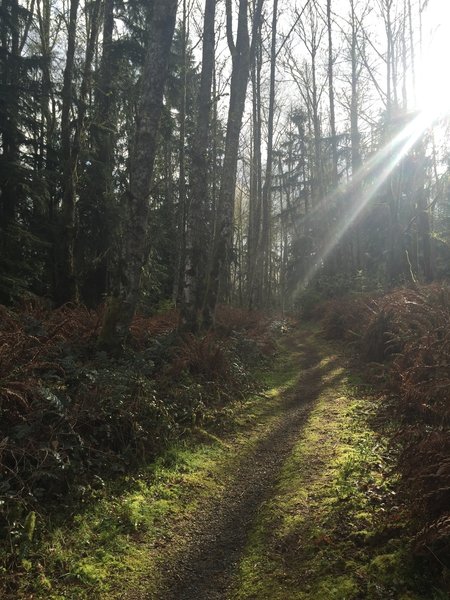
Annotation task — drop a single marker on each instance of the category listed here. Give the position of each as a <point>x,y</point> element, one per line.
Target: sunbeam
<point>386,159</point>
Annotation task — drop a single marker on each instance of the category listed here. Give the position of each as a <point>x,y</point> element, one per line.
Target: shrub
<point>71,415</point>
<point>408,331</point>
<point>342,318</point>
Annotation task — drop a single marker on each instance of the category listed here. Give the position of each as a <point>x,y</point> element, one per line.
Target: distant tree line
<point>256,152</point>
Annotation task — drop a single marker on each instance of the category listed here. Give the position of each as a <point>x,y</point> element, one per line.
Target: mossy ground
<point>117,540</point>
<point>333,528</point>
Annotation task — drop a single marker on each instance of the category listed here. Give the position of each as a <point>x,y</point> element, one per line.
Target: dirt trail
<point>218,535</point>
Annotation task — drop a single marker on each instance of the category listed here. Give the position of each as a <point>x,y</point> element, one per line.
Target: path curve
<point>218,536</point>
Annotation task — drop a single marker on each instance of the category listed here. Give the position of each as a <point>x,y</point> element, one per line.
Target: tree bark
<point>254,226</point>
<point>183,208</point>
<point>334,152</point>
<point>64,284</point>
<point>121,309</point>
<point>197,235</point>
<point>96,197</point>
<point>267,188</point>
<point>10,191</point>
<point>355,138</point>
<point>241,58</point>
<point>66,288</point>
<point>423,215</point>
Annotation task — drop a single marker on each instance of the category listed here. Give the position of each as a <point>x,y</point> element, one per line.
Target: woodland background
<point>339,181</point>
<point>169,171</point>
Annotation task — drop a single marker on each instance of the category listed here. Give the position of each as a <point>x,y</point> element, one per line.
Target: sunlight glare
<point>387,158</point>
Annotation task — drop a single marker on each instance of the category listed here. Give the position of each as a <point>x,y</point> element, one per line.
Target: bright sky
<point>433,80</point>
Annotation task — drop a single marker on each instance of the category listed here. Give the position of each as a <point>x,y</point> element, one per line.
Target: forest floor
<point>297,498</point>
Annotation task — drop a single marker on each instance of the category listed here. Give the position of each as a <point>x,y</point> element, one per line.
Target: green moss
<point>337,588</point>
<point>90,572</point>
<point>317,537</point>
<point>390,572</point>
<point>112,543</point>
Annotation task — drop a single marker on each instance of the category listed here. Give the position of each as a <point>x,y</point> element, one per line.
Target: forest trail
<point>205,568</point>
<point>205,565</point>
<point>290,495</point>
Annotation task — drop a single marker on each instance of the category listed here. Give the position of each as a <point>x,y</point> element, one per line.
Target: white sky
<point>433,76</point>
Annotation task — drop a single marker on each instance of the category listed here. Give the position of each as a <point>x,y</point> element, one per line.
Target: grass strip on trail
<point>333,529</point>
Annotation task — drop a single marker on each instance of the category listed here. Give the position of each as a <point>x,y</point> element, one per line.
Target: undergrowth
<point>73,418</point>
<point>403,338</point>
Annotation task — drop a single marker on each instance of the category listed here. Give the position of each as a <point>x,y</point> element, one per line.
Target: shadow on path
<point>218,535</point>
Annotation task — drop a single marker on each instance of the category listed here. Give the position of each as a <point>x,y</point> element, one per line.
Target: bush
<point>342,318</point>
<point>71,415</point>
<point>408,331</point>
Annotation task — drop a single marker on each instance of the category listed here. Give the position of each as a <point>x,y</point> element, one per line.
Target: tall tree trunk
<point>404,34</point>
<point>64,285</point>
<point>412,52</point>
<point>267,188</point>
<point>354,100</point>
<point>334,152</point>
<point>389,56</point>
<point>66,288</point>
<point>10,189</point>
<point>98,191</point>
<point>283,241</point>
<point>121,309</point>
<point>241,58</point>
<point>182,195</point>
<point>318,186</point>
<point>197,234</point>
<point>354,132</point>
<point>254,226</point>
<point>48,108</point>
<point>423,215</point>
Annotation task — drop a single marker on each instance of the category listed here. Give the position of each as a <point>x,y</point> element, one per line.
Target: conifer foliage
<point>171,171</point>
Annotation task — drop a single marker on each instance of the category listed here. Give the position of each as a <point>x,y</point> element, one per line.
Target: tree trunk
<point>97,194</point>
<point>64,273</point>
<point>423,215</point>
<point>334,152</point>
<point>121,309</point>
<point>10,189</point>
<point>66,288</point>
<point>412,52</point>
<point>182,194</point>
<point>254,226</point>
<point>241,58</point>
<point>389,57</point>
<point>267,188</point>
<point>197,235</point>
<point>355,140</point>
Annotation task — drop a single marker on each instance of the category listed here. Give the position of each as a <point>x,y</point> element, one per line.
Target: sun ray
<point>373,174</point>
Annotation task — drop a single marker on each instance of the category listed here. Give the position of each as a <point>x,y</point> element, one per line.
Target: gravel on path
<point>219,533</point>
